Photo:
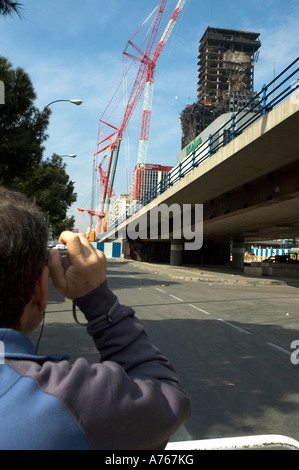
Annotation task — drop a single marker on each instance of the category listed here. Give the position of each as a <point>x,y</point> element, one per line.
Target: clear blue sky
<point>73,49</point>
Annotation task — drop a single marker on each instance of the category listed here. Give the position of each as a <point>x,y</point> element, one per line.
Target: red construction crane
<point>148,92</point>
<point>144,79</point>
<point>137,89</point>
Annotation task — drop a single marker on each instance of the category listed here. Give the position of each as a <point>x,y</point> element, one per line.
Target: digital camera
<point>64,253</point>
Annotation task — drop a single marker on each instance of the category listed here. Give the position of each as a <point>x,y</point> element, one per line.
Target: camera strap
<point>75,316</point>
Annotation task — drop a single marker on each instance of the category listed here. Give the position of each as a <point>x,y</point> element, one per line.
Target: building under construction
<point>225,79</point>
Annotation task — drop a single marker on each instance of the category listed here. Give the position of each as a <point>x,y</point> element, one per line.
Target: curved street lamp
<point>73,155</point>
<point>76,102</point>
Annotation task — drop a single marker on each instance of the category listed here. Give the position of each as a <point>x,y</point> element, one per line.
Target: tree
<point>50,188</point>
<point>22,126</point>
<point>22,133</point>
<point>8,7</point>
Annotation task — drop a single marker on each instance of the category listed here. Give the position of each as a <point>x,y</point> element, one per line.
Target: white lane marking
<point>279,348</point>
<point>138,279</point>
<point>227,323</point>
<point>177,298</point>
<point>200,309</point>
<point>234,326</point>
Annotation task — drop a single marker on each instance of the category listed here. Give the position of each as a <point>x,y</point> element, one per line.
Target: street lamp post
<point>76,102</point>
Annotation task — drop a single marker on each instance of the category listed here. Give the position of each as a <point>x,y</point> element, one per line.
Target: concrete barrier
<point>110,249</point>
<point>283,270</point>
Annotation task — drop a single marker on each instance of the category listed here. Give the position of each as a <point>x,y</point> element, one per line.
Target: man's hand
<point>86,272</point>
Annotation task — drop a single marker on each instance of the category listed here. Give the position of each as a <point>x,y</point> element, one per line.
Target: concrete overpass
<point>249,188</point>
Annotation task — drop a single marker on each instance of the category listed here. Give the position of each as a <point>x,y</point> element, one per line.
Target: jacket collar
<point>18,346</point>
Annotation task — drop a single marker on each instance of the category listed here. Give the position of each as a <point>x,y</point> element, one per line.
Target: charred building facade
<point>225,79</point>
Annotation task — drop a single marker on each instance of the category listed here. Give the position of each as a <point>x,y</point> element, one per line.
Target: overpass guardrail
<point>276,91</point>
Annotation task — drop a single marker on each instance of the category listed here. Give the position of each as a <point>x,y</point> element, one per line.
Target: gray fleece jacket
<point>131,399</point>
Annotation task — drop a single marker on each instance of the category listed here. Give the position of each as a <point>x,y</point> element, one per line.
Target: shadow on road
<point>238,387</point>
<point>239,383</point>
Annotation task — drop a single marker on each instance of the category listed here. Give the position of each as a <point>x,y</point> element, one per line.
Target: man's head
<point>23,251</point>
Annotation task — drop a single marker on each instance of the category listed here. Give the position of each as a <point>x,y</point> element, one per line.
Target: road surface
<point>230,344</point>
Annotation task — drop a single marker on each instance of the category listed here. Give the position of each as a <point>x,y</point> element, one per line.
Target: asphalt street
<point>229,337</point>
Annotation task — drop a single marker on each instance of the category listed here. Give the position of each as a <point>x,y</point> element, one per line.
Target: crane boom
<point>168,29</point>
<point>135,94</point>
<point>148,97</point>
<point>149,86</point>
<point>144,81</point>
<point>138,86</point>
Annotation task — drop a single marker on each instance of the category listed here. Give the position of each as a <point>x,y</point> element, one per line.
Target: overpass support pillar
<point>176,252</point>
<point>238,253</point>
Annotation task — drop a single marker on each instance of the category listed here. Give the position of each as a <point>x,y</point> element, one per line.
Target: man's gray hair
<point>23,250</point>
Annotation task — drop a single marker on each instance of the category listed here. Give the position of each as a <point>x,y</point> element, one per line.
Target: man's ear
<point>41,289</point>
<point>33,311</point>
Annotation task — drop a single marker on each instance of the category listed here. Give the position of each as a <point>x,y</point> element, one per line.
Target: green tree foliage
<point>22,126</point>
<point>22,133</point>
<point>9,7</point>
<point>50,188</point>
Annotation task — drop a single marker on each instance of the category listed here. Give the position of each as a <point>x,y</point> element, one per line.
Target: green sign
<point>193,146</point>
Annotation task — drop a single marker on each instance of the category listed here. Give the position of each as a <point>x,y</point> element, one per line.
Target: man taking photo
<point>131,399</point>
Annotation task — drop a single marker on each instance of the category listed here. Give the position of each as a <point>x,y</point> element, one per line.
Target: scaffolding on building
<point>225,78</point>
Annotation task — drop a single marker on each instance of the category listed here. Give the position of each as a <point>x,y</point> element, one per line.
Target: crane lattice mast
<point>144,82</point>
<point>113,140</point>
<point>149,86</point>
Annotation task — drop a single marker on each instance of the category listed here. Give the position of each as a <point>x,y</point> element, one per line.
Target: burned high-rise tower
<point>225,78</point>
